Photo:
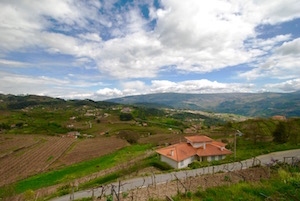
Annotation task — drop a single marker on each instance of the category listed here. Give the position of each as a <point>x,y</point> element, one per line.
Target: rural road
<point>167,177</point>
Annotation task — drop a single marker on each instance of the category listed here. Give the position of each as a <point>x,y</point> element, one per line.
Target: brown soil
<point>162,139</point>
<point>10,143</point>
<point>91,148</point>
<point>30,160</point>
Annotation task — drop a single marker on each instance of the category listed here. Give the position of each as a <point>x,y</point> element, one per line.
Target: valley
<point>88,143</point>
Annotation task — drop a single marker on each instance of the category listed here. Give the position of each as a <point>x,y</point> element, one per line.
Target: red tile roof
<point>219,144</point>
<point>185,150</point>
<point>198,138</point>
<point>181,151</point>
<point>212,150</point>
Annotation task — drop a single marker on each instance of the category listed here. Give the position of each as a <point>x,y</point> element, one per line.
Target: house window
<point>220,157</point>
<point>212,158</point>
<point>181,163</point>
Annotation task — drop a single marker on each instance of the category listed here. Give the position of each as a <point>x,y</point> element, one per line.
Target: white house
<point>201,148</point>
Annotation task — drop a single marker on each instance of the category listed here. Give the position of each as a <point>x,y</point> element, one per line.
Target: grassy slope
<point>283,185</point>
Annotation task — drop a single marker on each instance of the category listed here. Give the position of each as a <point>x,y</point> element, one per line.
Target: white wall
<point>171,162</point>
<point>186,162</point>
<point>209,158</point>
<point>197,145</point>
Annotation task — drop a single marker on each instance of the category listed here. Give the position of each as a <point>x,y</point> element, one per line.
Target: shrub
<point>126,117</point>
<point>280,133</point>
<point>64,190</point>
<point>124,194</point>
<point>189,194</point>
<point>161,165</point>
<point>130,136</point>
<point>29,195</point>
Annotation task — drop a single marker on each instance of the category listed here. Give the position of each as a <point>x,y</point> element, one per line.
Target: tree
<point>280,134</point>
<point>130,136</point>
<point>256,130</point>
<point>293,130</point>
<point>126,117</point>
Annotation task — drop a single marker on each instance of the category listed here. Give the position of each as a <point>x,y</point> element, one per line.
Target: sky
<point>81,49</point>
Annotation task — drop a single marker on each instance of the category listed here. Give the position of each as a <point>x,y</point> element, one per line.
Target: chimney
<point>172,152</point>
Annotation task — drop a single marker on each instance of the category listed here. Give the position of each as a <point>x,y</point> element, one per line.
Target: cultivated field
<point>22,156</point>
<point>20,160</point>
<point>11,143</point>
<point>91,148</point>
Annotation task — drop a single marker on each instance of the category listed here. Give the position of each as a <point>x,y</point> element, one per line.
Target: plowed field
<point>91,148</point>
<point>32,157</point>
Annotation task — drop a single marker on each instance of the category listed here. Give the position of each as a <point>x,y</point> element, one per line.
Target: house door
<point>204,158</point>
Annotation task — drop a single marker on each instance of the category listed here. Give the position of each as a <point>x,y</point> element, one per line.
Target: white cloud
<point>290,48</point>
<point>165,86</point>
<point>109,93</point>
<point>199,86</point>
<point>5,62</point>
<point>284,63</point>
<point>91,37</point>
<point>43,85</point>
<point>190,36</point>
<point>134,87</point>
<point>278,11</point>
<point>287,86</point>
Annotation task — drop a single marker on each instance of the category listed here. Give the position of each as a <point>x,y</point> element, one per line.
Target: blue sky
<point>104,49</point>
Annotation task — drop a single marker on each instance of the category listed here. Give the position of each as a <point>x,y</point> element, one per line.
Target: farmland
<point>27,155</point>
<point>31,159</point>
<point>91,148</point>
<point>59,141</point>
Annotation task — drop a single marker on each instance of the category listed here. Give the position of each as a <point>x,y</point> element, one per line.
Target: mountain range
<point>247,104</point>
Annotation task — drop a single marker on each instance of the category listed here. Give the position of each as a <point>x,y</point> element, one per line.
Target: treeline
<point>288,131</point>
<point>259,130</point>
<point>208,121</point>
<point>146,112</point>
<point>12,102</point>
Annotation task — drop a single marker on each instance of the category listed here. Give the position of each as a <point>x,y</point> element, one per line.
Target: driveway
<point>162,178</point>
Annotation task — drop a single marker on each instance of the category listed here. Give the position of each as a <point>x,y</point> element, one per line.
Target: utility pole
<point>240,134</point>
<point>235,146</point>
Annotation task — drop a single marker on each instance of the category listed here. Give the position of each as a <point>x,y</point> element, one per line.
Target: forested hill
<point>248,104</point>
<point>12,102</point>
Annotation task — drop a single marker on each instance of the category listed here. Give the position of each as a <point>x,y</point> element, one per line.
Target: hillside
<point>55,140</point>
<point>247,104</point>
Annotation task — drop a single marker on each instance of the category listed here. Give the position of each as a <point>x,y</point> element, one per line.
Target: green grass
<point>247,149</point>
<point>50,158</point>
<point>147,162</point>
<point>283,185</point>
<point>80,169</point>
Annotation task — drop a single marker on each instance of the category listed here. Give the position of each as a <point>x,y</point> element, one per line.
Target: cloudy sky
<point>104,49</point>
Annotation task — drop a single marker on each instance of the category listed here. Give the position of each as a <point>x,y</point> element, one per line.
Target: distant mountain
<point>248,104</point>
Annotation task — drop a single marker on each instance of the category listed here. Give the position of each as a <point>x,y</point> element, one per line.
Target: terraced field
<point>13,143</point>
<point>32,157</point>
<point>22,156</point>
<point>91,148</point>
